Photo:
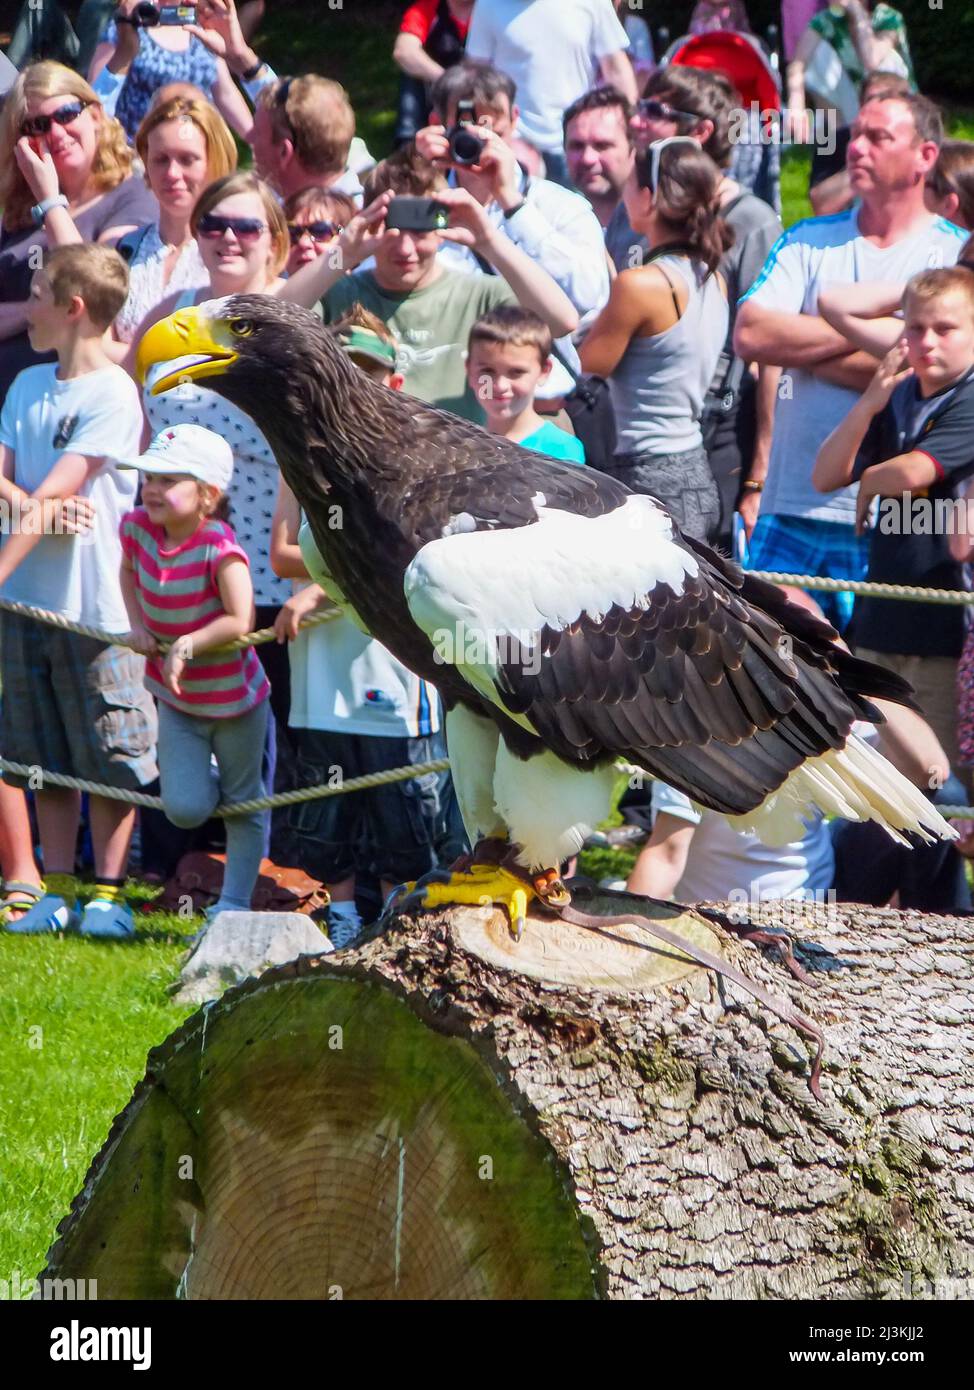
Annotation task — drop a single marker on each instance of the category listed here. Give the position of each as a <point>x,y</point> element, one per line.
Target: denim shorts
<point>73,705</point>
<point>391,832</point>
<point>682,482</point>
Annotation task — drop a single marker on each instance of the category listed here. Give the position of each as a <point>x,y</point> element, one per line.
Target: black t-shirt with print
<point>909,542</point>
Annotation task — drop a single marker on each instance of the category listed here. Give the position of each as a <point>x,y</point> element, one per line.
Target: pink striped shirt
<point>178,593</point>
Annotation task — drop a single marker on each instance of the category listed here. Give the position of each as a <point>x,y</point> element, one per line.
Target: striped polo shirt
<point>178,593</point>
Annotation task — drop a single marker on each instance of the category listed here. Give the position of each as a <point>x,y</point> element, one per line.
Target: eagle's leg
<point>546,884</point>
<point>524,817</point>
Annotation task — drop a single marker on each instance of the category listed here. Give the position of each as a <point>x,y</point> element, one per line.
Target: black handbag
<point>589,407</point>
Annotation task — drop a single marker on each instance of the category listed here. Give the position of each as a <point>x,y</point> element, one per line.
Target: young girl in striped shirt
<point>186,581</point>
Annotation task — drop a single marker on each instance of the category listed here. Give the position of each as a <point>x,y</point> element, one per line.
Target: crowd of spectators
<point>601,283</point>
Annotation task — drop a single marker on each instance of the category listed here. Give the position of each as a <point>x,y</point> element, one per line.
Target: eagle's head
<point>240,339</point>
<point>279,364</point>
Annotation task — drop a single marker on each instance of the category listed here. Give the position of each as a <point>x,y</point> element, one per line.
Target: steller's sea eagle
<point>566,621</point>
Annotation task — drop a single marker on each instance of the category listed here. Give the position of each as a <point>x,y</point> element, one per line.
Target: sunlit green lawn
<point>77,1018</point>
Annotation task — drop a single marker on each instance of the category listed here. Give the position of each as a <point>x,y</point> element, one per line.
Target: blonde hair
<point>316,115</point>
<point>221,152</point>
<point>936,284</point>
<point>244,182</point>
<point>97,273</point>
<point>111,165</point>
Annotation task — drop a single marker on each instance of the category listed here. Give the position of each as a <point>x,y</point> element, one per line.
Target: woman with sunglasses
<point>658,338</point>
<point>315,218</point>
<point>52,118</point>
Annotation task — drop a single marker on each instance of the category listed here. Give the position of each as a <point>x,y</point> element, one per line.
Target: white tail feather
<point>855,782</point>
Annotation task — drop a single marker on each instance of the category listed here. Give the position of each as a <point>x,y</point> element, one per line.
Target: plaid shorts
<point>827,549</point>
<point>73,705</point>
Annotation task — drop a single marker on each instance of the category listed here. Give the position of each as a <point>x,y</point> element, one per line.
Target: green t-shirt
<point>432,326</point>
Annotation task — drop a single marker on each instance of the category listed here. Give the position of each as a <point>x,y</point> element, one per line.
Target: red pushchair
<point>753,69</point>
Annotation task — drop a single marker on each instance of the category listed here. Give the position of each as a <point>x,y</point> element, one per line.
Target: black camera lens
<point>465,147</point>
<point>146,14</point>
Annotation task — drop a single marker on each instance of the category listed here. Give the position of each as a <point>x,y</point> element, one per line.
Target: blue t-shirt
<point>556,443</point>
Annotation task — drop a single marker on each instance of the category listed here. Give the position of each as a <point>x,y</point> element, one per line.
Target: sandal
<point>19,898</point>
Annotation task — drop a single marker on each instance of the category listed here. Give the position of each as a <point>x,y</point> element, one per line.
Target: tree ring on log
<point>314,1139</point>
<point>624,959</point>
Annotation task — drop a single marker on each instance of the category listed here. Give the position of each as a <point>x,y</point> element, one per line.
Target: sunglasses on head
<point>651,181</point>
<point>64,115</point>
<point>318,231</point>
<point>243,228</point>
<point>663,111</point>
<point>281,96</point>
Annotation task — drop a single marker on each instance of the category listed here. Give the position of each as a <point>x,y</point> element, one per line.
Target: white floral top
<point>147,289</point>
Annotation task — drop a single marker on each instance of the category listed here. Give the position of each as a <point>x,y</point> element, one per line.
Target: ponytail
<point>687,202</point>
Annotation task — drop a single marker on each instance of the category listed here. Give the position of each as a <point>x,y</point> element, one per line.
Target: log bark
<point>472,1132</point>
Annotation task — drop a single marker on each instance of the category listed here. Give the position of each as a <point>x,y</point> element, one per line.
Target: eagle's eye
<point>242,328</point>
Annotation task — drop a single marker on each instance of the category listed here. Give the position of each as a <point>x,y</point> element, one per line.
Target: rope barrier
<point>114,639</point>
<point>865,587</point>
<point>267,634</point>
<point>235,808</point>
<point>299,794</point>
<point>402,774</point>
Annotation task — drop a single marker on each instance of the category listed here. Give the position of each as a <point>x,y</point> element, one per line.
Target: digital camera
<point>148,16</point>
<point>466,146</point>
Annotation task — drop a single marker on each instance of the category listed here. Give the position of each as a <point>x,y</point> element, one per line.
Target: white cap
<point>189,449</point>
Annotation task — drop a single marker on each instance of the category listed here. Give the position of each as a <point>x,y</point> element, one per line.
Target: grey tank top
<point>659,386</point>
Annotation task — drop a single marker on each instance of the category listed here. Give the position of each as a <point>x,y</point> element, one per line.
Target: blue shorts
<point>826,549</point>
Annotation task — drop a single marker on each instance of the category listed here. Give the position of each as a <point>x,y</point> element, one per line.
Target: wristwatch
<point>40,210</point>
<point>752,485</point>
<point>253,71</point>
<point>509,212</point>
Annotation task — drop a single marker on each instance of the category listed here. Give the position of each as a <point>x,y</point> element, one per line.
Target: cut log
<point>420,1118</point>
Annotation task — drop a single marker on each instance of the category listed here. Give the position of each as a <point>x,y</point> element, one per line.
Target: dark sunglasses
<point>662,111</point>
<point>64,115</point>
<point>318,231</point>
<point>243,228</point>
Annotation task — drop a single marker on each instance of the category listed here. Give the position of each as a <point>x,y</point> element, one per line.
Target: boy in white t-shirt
<point>72,704</point>
<point>355,709</point>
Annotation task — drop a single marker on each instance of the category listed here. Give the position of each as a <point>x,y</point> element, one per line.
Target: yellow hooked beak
<point>186,333</point>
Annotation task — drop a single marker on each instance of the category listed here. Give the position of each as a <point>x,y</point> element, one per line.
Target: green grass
<point>77,1018</point>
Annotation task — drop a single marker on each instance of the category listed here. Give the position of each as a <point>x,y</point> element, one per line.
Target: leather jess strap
<point>786,1012</point>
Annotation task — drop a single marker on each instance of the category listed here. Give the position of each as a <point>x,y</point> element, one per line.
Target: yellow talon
<point>483,885</point>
